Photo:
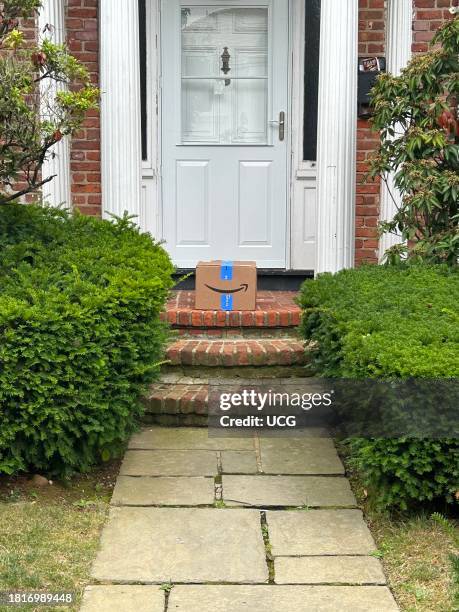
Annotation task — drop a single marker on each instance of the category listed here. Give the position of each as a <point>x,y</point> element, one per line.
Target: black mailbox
<point>369,69</point>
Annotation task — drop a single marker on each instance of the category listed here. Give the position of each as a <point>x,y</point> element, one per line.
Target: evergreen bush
<point>391,322</point>
<point>80,335</point>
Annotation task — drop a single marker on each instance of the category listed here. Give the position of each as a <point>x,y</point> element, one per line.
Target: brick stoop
<point>274,309</point>
<point>211,344</point>
<point>237,353</point>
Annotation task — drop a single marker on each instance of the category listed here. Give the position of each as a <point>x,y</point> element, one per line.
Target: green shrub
<point>391,323</point>
<point>80,335</point>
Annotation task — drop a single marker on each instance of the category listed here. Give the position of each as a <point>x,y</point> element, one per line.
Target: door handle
<point>281,123</point>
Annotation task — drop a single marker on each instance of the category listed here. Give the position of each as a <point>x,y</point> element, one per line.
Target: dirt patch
<point>96,485</point>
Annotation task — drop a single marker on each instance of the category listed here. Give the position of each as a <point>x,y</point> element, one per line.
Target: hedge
<point>390,323</point>
<point>80,336</point>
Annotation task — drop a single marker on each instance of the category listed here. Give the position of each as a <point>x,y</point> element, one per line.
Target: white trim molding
<point>151,183</point>
<point>51,24</point>
<point>303,203</point>
<point>336,155</point>
<point>398,48</point>
<point>121,152</point>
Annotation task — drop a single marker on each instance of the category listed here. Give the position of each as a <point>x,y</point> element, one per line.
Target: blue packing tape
<point>226,302</point>
<point>226,271</point>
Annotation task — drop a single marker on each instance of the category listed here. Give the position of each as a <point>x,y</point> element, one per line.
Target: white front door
<point>224,130</point>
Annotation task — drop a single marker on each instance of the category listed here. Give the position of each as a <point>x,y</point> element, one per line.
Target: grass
<point>419,552</point>
<point>49,535</point>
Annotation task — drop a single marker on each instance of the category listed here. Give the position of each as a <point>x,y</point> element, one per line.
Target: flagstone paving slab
<point>299,456</point>
<point>239,462</point>
<point>169,463</point>
<point>178,491</point>
<point>180,438</point>
<point>229,598</point>
<point>308,438</point>
<point>265,491</point>
<point>123,598</point>
<point>215,558</point>
<point>328,570</point>
<point>318,532</point>
<point>182,545</point>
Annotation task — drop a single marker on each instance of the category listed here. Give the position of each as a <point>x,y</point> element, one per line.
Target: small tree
<point>416,115</point>
<point>44,96</point>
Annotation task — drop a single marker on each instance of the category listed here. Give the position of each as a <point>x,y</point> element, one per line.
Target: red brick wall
<point>82,36</point>
<point>429,15</point>
<point>372,35</point>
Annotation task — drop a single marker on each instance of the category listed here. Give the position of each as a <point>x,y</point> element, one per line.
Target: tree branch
<point>390,192</point>
<point>26,190</point>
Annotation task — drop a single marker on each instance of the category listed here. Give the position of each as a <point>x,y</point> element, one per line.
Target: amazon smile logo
<point>243,288</point>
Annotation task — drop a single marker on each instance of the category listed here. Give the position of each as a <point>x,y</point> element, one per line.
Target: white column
<point>398,49</point>
<point>121,155</point>
<point>51,24</point>
<point>336,155</point>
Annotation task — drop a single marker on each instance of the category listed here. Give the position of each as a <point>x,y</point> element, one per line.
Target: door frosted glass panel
<point>200,119</point>
<point>225,75</point>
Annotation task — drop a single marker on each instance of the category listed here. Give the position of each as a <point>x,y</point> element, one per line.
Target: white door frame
<point>303,174</point>
<point>151,169</point>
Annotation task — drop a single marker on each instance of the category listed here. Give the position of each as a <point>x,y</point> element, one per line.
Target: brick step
<point>237,353</point>
<point>181,398</point>
<point>243,372</point>
<point>258,344</point>
<point>235,333</point>
<point>274,309</point>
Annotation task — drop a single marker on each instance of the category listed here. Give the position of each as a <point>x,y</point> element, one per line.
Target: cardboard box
<point>226,285</point>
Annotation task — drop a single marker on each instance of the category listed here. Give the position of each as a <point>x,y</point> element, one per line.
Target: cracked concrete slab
<point>238,462</point>
<point>157,545</point>
<point>169,463</point>
<point>270,598</point>
<point>171,491</point>
<point>264,491</point>
<point>329,570</point>
<point>123,598</point>
<point>179,438</point>
<point>305,456</point>
<point>319,532</point>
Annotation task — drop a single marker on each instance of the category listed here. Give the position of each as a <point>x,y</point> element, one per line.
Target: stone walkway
<point>203,524</point>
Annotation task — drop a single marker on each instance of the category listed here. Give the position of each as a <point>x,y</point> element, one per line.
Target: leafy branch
<point>45,94</point>
<point>416,115</point>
